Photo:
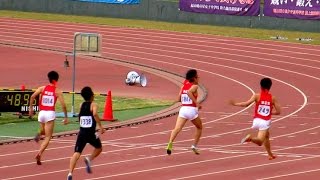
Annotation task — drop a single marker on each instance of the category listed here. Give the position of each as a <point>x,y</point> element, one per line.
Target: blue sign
<point>114,1</point>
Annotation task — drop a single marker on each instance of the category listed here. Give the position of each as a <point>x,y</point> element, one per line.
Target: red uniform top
<point>264,106</point>
<point>185,99</point>
<point>48,98</point>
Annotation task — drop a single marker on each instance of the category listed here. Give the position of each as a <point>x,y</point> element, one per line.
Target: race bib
<point>47,100</point>
<point>85,121</point>
<point>264,110</point>
<point>185,99</point>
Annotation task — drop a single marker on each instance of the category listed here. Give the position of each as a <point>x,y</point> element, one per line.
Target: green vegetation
<point>194,28</point>
<point>26,127</point>
<point>118,103</point>
<point>123,109</point>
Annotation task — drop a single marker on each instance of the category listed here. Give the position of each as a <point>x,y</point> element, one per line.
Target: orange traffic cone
<point>108,114</point>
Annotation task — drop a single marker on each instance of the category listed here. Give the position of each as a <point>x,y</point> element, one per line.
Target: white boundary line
<point>40,24</point>
<point>243,168</point>
<point>156,156</point>
<point>67,39</point>
<point>210,160</point>
<point>290,174</point>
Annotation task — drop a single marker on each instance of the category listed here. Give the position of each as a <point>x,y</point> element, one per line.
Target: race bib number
<point>85,121</point>
<point>47,100</point>
<point>264,110</point>
<point>185,99</point>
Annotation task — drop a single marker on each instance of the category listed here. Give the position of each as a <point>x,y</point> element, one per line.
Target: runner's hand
<point>102,130</point>
<point>31,113</point>
<point>65,121</point>
<point>198,106</point>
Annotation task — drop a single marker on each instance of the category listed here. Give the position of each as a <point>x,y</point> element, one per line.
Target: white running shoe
<point>195,149</point>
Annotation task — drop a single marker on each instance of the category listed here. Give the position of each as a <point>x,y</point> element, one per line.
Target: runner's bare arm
<point>190,93</point>
<point>32,98</point>
<point>96,117</point>
<point>277,108</point>
<point>63,105</point>
<point>244,103</point>
<point>179,97</point>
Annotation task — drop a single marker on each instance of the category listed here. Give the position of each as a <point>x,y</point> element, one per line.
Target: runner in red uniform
<point>189,110</point>
<point>49,95</point>
<point>266,105</point>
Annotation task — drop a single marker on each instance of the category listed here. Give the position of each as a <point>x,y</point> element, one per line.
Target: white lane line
<point>169,36</point>
<point>104,164</point>
<point>238,169</point>
<point>290,174</point>
<point>282,127</point>
<point>15,137</point>
<point>211,160</point>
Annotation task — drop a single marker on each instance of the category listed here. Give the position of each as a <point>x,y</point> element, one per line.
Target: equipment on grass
<point>17,101</point>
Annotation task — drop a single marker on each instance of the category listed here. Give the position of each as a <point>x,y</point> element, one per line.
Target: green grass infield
<point>13,127</point>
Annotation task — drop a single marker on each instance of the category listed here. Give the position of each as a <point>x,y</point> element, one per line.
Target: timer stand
<point>87,44</point>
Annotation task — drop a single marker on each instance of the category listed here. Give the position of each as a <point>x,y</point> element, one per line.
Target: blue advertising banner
<point>297,9</point>
<point>225,7</point>
<point>114,1</point>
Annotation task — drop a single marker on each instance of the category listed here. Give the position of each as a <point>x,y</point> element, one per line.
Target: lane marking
<point>290,174</point>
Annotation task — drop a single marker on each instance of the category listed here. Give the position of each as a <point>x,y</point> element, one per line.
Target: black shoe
<point>168,152</point>
<point>69,177</point>
<point>169,148</point>
<point>88,165</point>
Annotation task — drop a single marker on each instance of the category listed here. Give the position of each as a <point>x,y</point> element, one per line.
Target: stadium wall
<point>156,10</point>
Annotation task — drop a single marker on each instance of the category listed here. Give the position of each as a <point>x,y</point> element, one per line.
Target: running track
<point>229,68</point>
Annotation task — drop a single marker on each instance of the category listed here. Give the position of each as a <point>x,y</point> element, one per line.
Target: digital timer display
<point>17,101</point>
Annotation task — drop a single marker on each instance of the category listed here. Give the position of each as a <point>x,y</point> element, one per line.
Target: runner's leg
<point>198,123</point>
<point>40,132</point>
<point>48,128</point>
<point>73,161</point>
<point>261,137</point>
<point>179,125</point>
<point>268,146</point>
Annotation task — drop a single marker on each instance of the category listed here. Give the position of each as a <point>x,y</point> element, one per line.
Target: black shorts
<point>84,138</point>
